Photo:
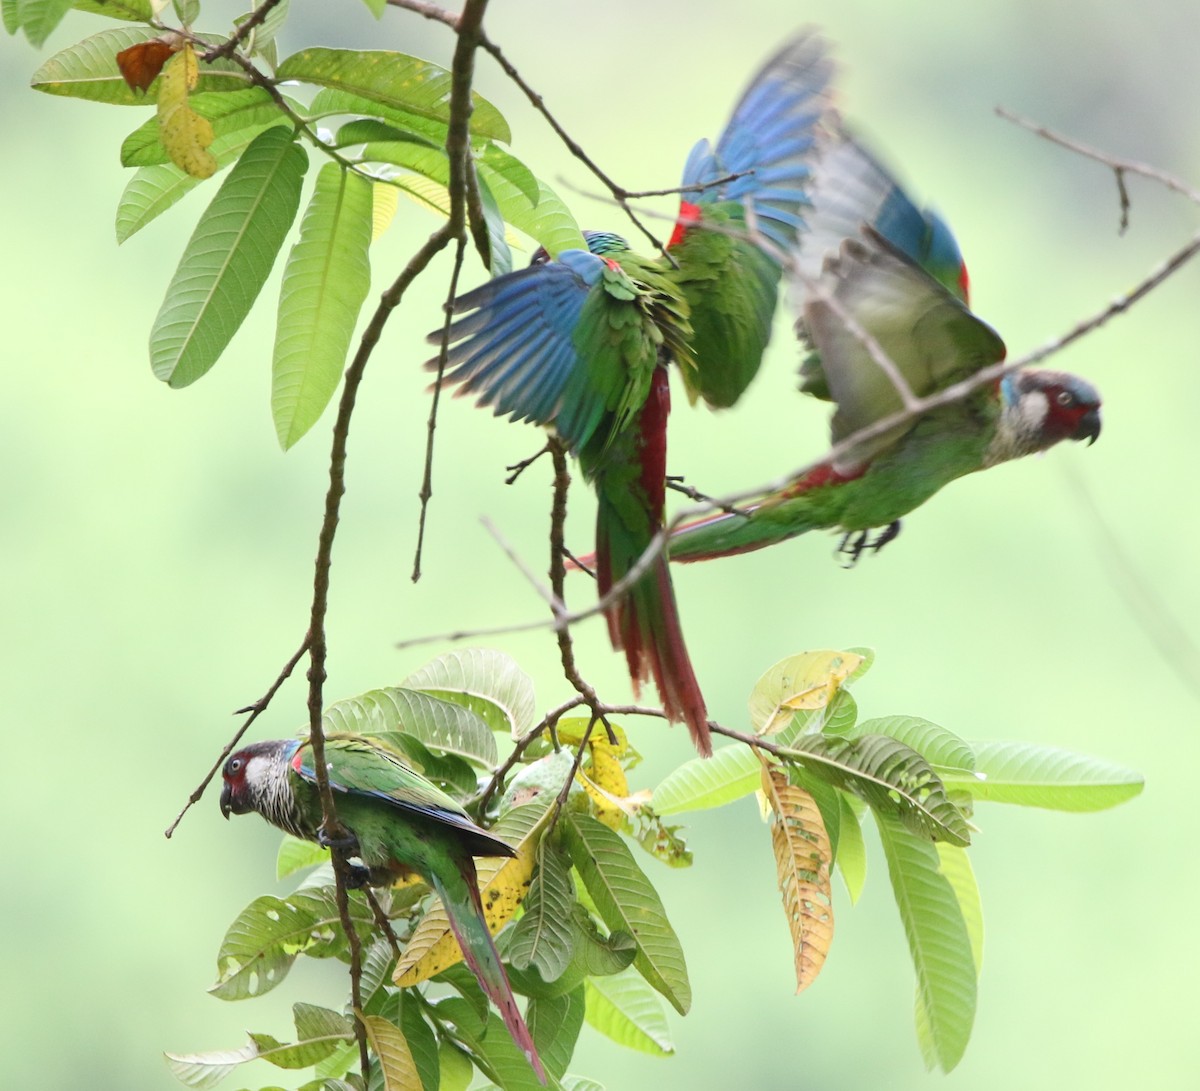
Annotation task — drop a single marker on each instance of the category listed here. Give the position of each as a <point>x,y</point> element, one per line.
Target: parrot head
<point>1041,408</point>
<point>249,774</point>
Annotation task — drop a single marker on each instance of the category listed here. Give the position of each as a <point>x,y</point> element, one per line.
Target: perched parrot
<point>898,272</point>
<point>581,342</point>
<point>399,822</point>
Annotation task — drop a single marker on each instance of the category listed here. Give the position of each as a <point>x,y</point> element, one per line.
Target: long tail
<point>460,895</point>
<point>816,501</point>
<point>645,623</point>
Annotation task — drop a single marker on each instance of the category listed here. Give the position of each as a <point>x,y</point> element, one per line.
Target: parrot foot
<point>855,545</point>
<point>346,844</point>
<point>356,876</point>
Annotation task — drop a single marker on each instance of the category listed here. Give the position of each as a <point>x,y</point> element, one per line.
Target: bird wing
<point>360,766</point>
<point>757,175</point>
<point>560,343</point>
<point>927,333</point>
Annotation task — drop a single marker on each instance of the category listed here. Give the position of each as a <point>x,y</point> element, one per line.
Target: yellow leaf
<point>503,884</point>
<point>396,1062</point>
<point>811,681</point>
<point>384,199</point>
<point>802,858</point>
<point>185,135</point>
<point>605,782</point>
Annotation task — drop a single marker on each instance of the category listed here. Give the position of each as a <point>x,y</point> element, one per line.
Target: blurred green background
<point>157,548</point>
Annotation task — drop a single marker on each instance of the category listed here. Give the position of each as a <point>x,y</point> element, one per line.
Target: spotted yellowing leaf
<point>802,859</point>
<point>185,135</point>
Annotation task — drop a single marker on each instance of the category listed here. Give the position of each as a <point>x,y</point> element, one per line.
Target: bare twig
<point>518,468</point>
<point>1120,167</point>
<point>255,710</point>
<point>256,18</point>
<point>675,482</point>
<point>431,426</point>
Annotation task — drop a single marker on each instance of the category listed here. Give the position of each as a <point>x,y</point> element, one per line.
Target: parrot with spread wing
<point>581,342</point>
<point>897,271</point>
<point>399,823</point>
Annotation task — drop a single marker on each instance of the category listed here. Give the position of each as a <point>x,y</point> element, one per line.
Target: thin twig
<point>227,48</point>
<point>255,710</point>
<point>675,482</point>
<point>518,468</point>
<point>1119,166</point>
<point>431,425</point>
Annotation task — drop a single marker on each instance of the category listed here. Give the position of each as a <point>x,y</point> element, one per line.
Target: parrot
<point>581,342</point>
<point>898,271</point>
<point>399,823</point>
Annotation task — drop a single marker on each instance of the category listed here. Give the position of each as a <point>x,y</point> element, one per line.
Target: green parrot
<point>897,271</point>
<point>581,342</point>
<point>399,822</point>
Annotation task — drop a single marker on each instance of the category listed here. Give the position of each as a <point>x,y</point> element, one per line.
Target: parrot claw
<point>855,545</point>
<point>347,843</point>
<point>356,876</point>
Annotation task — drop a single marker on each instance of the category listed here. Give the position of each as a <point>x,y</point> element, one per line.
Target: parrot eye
<point>1065,398</point>
<point>234,766</point>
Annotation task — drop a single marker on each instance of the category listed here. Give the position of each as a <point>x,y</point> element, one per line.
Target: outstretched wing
<point>360,766</point>
<point>757,177</point>
<point>927,333</point>
<point>561,343</point>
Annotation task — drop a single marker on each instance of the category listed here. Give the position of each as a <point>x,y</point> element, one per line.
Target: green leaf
<point>228,258</point>
<point>1044,776</point>
<point>452,773</point>
<point>133,11</point>
<point>396,1062</point>
<point>88,70</point>
<point>495,162</point>
<point>366,130</point>
<point>499,255</point>
<point>547,220</point>
<point>938,939</point>
<point>486,681</point>
<point>330,102</point>
<point>230,112</point>
<point>624,1008</point>
<point>581,1083</point>
<point>296,855</point>
<point>38,18</point>
<point>889,776</point>
<point>441,725</point>
<point>732,772</point>
<point>262,38</point>
<point>455,1066</point>
<point>627,901</point>
<point>319,1030</point>
<point>325,282</point>
<point>376,7</point>
<point>394,80</point>
<point>421,1039</point>
<point>939,747</point>
<point>505,1062</point>
<point>268,935</point>
<point>852,850</point>
<point>153,190</point>
<point>543,936</point>
<point>555,1022</point>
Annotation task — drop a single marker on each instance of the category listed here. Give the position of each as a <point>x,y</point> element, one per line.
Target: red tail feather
<point>489,972</point>
<point>645,623</point>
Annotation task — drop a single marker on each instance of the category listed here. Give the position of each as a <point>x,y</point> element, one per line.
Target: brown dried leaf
<point>803,858</point>
<point>140,64</point>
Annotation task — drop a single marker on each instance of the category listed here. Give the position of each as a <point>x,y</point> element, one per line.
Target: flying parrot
<point>399,822</point>
<point>897,271</point>
<point>581,342</point>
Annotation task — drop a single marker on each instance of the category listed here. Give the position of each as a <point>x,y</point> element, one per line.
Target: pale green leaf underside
<point>938,940</point>
<point>441,725</point>
<point>505,690</point>
<point>732,772</point>
<point>627,901</point>
<point>624,1008</point>
<point>154,189</point>
<point>228,258</point>
<point>325,282</point>
<point>392,79</point>
<point>1044,776</point>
